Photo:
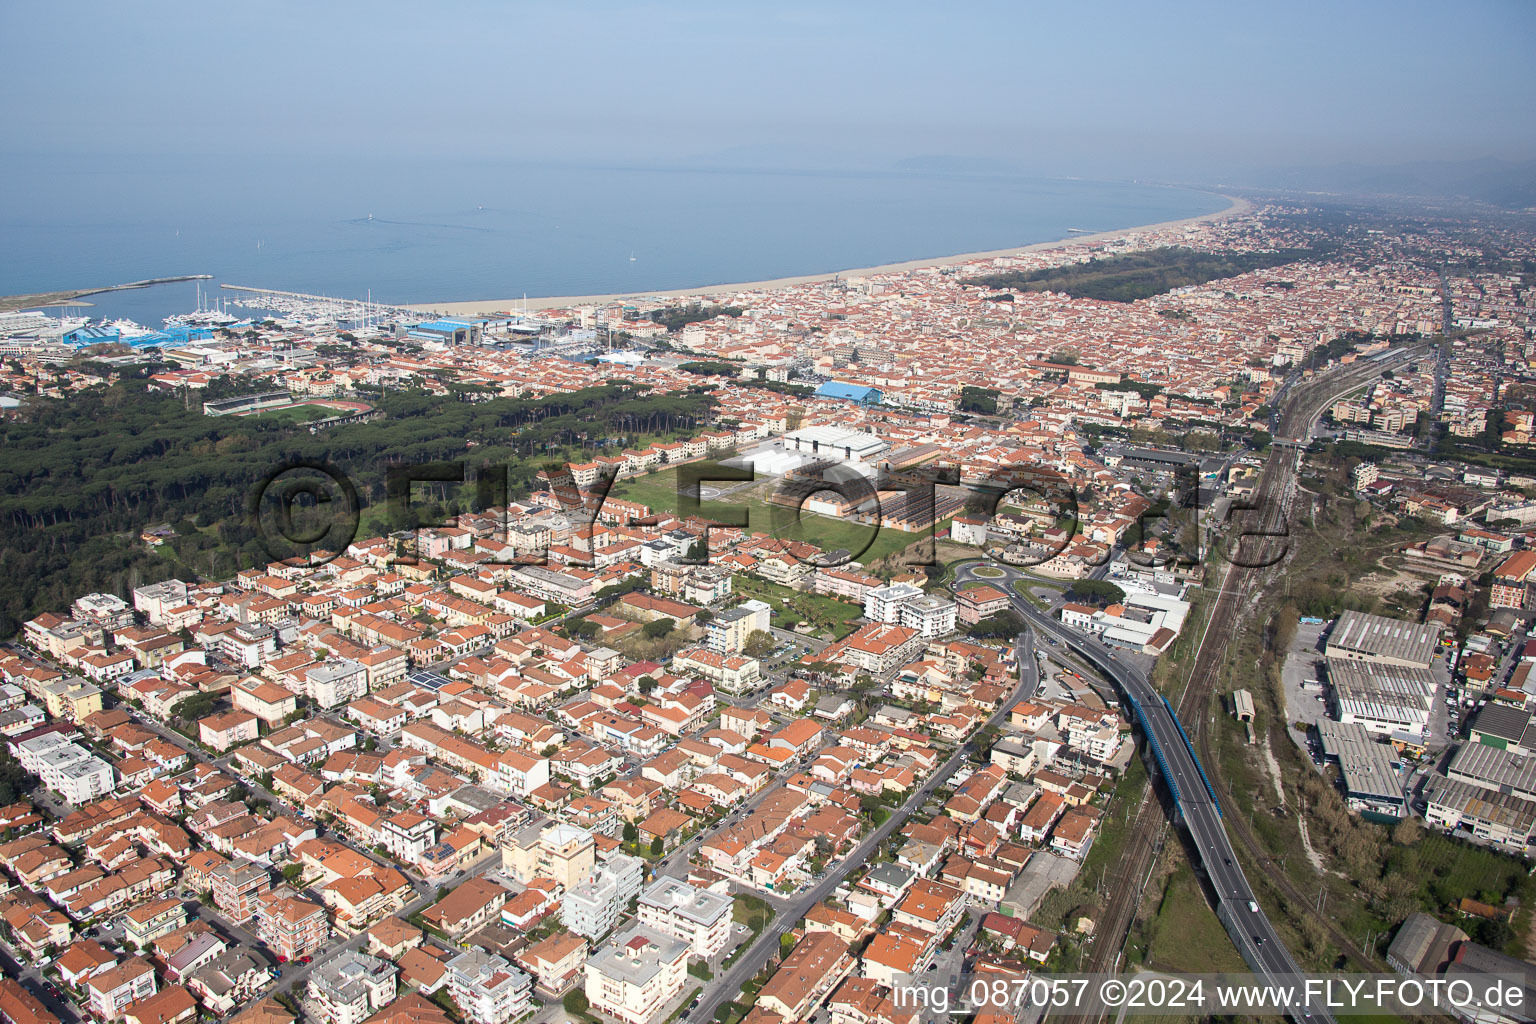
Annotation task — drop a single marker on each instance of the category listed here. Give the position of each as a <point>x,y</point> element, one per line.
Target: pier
<point>361,305</point>
<point>71,296</point>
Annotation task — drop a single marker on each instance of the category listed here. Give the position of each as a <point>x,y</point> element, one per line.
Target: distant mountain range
<point>1507,183</point>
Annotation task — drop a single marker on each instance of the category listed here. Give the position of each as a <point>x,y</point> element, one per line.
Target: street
<point>757,956</point>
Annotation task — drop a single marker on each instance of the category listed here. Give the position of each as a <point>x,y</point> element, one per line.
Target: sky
<point>1170,91</point>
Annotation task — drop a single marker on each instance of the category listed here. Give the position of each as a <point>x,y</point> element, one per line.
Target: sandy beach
<point>486,306</point>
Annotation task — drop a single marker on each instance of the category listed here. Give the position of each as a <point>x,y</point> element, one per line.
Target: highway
<point>1198,807</point>
<point>1250,929</point>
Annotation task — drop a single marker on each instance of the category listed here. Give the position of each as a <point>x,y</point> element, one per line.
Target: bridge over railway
<point>1196,802</point>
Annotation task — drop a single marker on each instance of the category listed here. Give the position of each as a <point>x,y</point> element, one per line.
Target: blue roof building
<point>850,392</point>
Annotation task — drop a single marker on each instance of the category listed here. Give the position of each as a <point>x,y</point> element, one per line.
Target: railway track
<point>1301,409</point>
<point>1244,582</point>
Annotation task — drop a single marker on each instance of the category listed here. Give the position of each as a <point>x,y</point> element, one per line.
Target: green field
<point>297,413</point>
<point>1184,934</point>
<point>865,544</point>
<point>826,615</point>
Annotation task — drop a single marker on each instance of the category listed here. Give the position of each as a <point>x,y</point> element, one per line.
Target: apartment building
<point>237,889</point>
<point>230,729</point>
<point>291,926</point>
<point>267,701</point>
<point>593,907</point>
<point>818,964</point>
<point>557,963</point>
<point>559,851</point>
<point>635,976</point>
<point>884,604</point>
<point>727,632</point>
<point>1511,579</point>
<point>351,988</point>
<point>877,648</point>
<point>408,835</point>
<point>65,767</point>
<point>148,921</point>
<point>979,603</point>
<point>109,993</point>
<point>336,682</point>
<point>699,917</point>
<point>731,673</point>
<point>487,989</point>
<point>930,906</point>
<point>156,600</point>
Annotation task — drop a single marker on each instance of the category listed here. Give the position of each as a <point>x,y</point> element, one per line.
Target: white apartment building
<point>699,917</point>
<point>883,604</point>
<point>487,989</point>
<point>336,682</point>
<point>155,600</point>
<point>592,908</point>
<point>67,768</point>
<point>929,614</point>
<point>351,988</point>
<point>906,605</point>
<point>250,645</point>
<point>727,632</point>
<point>408,835</point>
<point>635,976</point>
<point>110,992</point>
<point>733,673</point>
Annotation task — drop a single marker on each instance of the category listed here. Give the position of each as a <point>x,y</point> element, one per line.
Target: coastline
<point>485,306</point>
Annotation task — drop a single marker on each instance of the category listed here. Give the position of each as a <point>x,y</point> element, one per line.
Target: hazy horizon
<point>1205,93</point>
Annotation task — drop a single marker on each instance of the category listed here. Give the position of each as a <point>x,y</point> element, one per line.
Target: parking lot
<point>1308,698</point>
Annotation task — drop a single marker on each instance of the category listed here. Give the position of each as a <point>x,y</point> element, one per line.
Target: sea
<point>424,230</point>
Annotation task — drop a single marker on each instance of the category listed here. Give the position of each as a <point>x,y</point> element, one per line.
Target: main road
<point>757,956</point>
<point>1195,800</point>
<point>1248,926</point>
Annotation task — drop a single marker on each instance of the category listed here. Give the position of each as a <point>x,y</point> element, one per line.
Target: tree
<point>1201,441</point>
<point>758,643</point>
<point>631,834</point>
<point>581,628</point>
<point>647,684</point>
<point>982,400</point>
<point>657,628</point>
<point>658,847</point>
<point>1004,625</point>
<point>194,708</point>
<point>575,1003</point>
<point>1096,592</point>
<point>1406,832</point>
<point>15,781</point>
